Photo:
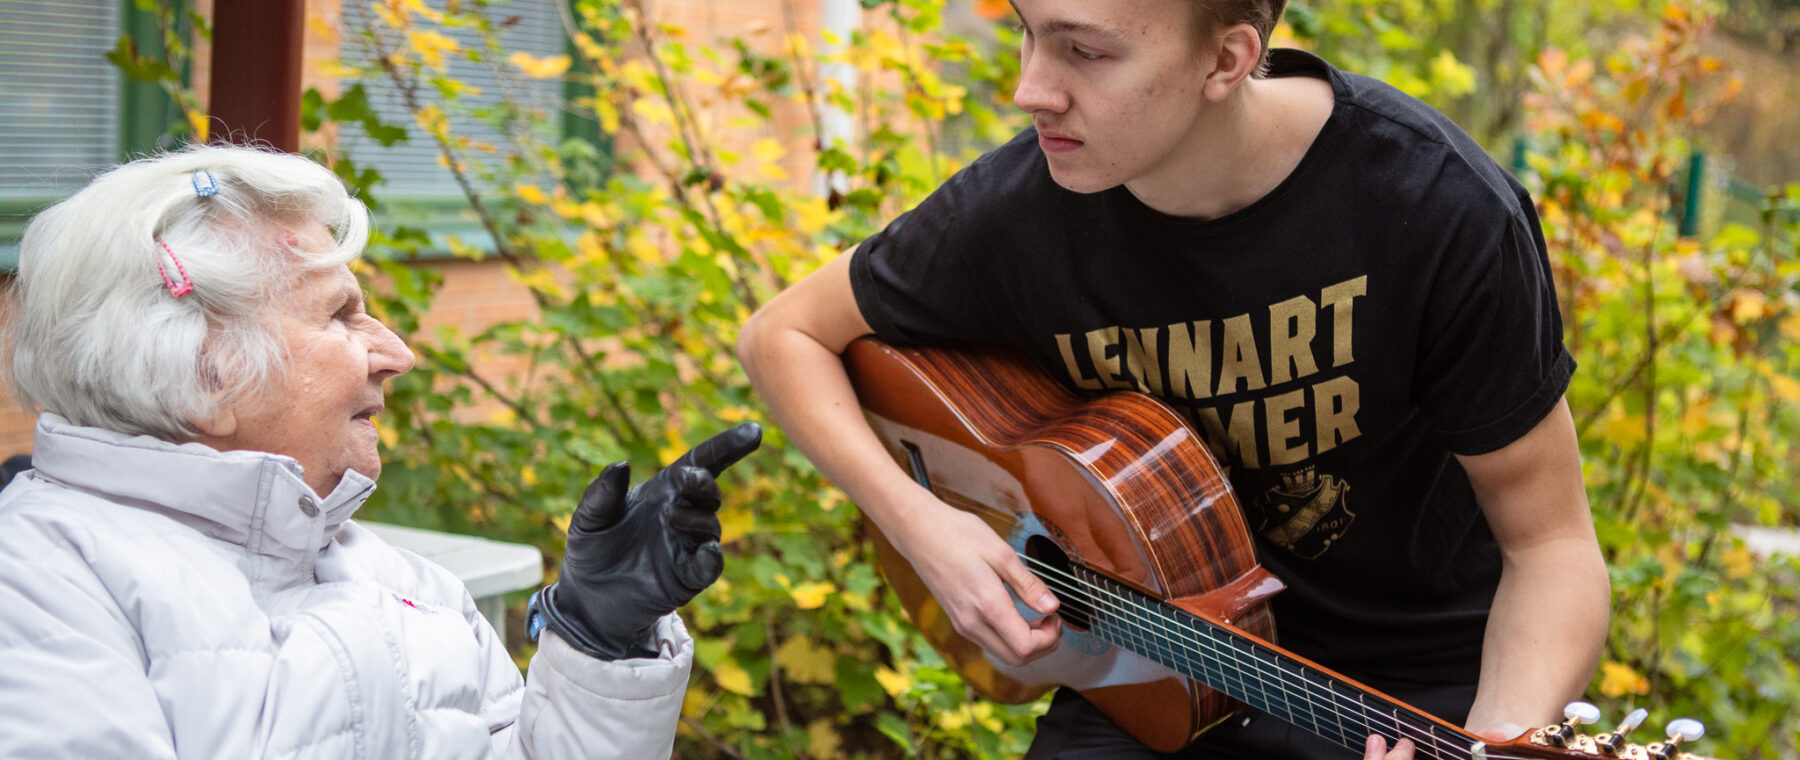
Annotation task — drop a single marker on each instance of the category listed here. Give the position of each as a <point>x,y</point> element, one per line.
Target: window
<point>412,168</point>
<point>65,112</point>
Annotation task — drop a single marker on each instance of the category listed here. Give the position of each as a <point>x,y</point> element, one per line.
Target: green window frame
<point>144,112</point>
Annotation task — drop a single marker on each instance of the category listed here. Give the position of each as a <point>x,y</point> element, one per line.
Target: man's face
<point>1113,87</point>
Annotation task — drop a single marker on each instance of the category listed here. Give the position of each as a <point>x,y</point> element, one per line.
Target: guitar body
<point>1117,483</point>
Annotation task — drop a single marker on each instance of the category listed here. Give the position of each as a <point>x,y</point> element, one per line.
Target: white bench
<point>490,569</point>
<point>1769,542</point>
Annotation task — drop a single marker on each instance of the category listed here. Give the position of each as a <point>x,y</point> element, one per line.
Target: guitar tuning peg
<point>1685,729</point>
<point>1679,730</point>
<point>1611,744</point>
<point>1576,714</point>
<point>1581,713</point>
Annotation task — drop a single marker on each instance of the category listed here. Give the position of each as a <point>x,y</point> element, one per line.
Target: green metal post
<point>1690,202</point>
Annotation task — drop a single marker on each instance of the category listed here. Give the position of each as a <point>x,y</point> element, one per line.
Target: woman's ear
<point>222,424</point>
<point>1237,53</point>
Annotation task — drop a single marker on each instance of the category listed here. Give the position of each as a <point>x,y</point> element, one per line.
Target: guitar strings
<point>1129,616</point>
<point>1427,742</point>
<point>1430,744</point>
<point>1126,617</point>
<point>1433,747</point>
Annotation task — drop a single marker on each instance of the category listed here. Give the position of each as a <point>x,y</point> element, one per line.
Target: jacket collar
<point>249,498</point>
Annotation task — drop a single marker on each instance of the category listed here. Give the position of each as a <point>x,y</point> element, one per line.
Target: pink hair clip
<point>186,285</point>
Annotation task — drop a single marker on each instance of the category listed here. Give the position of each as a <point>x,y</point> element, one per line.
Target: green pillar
<point>1690,202</point>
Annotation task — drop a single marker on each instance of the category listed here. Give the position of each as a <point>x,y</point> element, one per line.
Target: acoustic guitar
<point>1116,504</point>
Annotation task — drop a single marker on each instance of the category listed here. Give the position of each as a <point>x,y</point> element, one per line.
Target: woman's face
<point>321,411</point>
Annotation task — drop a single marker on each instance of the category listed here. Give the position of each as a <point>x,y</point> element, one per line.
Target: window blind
<point>59,97</point>
<point>412,167</point>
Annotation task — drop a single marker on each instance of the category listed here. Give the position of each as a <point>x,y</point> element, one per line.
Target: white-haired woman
<point>179,576</point>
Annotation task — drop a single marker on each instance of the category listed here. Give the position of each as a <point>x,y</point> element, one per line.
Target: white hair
<point>96,334</point>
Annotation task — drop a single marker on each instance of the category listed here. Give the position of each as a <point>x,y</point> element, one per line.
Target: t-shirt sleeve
<point>1492,362</point>
<point>912,280</point>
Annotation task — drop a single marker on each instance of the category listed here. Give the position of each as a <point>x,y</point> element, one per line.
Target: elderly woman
<point>180,576</point>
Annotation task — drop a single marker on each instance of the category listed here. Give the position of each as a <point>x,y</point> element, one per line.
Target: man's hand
<point>634,556</point>
<point>969,568</point>
<point>1376,748</point>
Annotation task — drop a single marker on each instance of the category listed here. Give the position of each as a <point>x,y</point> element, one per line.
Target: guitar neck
<point>1258,674</point>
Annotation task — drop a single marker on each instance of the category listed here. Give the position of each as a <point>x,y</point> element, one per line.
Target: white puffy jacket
<point>161,601</point>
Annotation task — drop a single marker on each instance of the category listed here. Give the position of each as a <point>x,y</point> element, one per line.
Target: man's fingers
<point>603,503</point>
<point>1016,640</point>
<point>1029,588</point>
<point>1376,749</point>
<point>723,450</point>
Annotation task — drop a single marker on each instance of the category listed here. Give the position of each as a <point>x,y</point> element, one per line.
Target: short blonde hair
<point>96,334</point>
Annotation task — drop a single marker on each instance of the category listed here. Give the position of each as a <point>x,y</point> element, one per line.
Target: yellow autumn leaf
<point>609,116</point>
<point>1790,327</point>
<point>1748,306</point>
<point>595,214</point>
<point>389,436</point>
<point>806,662</point>
<point>198,122</point>
<point>811,215</point>
<point>822,740</point>
<point>984,714</point>
<point>419,8</point>
<point>811,595</point>
<point>951,720</point>
<point>735,524</point>
<point>1623,428</point>
<point>540,68</point>
<point>768,149</point>
<point>1618,679</point>
<point>733,678</point>
<point>892,682</point>
<point>539,280</point>
<point>643,248</point>
<point>1737,563</point>
<point>531,194</point>
<point>653,111</point>
<point>562,522</point>
<point>695,703</point>
<point>528,475</point>
<point>674,446</point>
<point>1787,388</point>
<point>431,47</point>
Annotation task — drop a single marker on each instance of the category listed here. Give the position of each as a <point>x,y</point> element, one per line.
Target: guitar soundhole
<point>1052,564</point>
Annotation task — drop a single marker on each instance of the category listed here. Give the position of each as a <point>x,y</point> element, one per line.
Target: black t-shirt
<point>1388,304</point>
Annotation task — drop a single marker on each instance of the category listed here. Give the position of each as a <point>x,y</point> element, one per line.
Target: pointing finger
<point>723,450</point>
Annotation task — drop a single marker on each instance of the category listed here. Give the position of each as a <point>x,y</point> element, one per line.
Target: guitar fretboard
<point>1254,673</point>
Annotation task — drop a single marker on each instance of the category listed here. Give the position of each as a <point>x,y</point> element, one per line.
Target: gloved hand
<point>633,557</point>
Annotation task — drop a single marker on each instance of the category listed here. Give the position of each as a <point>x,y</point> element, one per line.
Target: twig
<point>713,740</point>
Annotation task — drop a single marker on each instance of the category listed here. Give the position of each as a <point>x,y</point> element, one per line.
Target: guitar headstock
<point>1565,740</point>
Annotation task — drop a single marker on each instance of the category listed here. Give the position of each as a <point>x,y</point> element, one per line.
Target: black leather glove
<point>633,557</point>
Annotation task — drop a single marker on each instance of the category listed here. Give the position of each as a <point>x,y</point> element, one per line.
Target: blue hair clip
<point>204,185</point>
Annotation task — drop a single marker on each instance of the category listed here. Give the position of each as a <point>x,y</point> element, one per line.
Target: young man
<point>1336,286</point>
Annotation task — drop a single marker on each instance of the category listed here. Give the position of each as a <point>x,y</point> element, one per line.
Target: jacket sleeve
<point>576,706</point>
<point>72,680</point>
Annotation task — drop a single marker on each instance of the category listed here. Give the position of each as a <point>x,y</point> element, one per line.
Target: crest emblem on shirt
<point>1306,514</point>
